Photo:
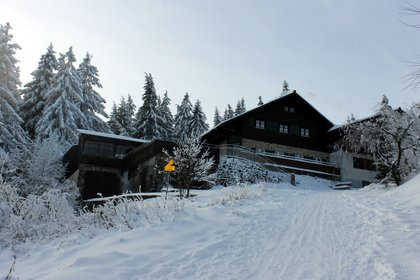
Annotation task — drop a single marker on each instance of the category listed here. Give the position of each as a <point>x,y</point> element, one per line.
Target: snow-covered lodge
<point>287,132</point>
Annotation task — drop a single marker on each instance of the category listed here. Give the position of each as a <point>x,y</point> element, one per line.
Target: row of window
<point>105,149</point>
<point>283,128</point>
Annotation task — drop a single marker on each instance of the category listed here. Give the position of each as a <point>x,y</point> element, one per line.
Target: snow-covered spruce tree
<point>229,113</point>
<point>149,120</point>
<point>122,117</point>
<point>34,91</point>
<point>137,120</point>
<point>197,124</point>
<point>62,115</point>
<point>128,116</point>
<point>166,117</point>
<point>243,107</point>
<point>11,132</point>
<point>93,102</point>
<point>182,118</point>
<point>193,165</point>
<point>390,137</point>
<point>285,89</point>
<point>114,123</point>
<point>240,107</point>
<point>217,118</point>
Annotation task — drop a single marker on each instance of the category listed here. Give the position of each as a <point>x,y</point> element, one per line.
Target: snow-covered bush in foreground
<point>126,214</point>
<point>239,192</point>
<point>36,167</point>
<point>34,217</point>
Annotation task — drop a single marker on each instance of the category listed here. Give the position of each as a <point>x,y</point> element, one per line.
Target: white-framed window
<point>260,124</point>
<point>284,128</point>
<point>304,132</point>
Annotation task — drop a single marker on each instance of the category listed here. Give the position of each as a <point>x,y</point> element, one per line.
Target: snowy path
<point>289,233</point>
<point>299,235</point>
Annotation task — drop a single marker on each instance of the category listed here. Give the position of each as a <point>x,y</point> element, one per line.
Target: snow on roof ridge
<point>113,136</point>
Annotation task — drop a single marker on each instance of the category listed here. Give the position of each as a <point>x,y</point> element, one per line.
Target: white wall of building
<point>358,177</point>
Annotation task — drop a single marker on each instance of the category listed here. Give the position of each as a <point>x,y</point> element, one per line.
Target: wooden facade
<point>109,164</point>
<point>288,130</point>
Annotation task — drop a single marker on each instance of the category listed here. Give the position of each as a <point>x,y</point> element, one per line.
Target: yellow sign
<point>170,166</point>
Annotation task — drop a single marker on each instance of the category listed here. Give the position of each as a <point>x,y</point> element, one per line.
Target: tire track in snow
<point>291,234</point>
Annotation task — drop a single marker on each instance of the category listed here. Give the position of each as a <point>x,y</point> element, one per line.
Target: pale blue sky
<point>341,55</point>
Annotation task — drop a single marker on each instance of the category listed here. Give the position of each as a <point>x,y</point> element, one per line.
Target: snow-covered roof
<point>112,136</point>
<point>335,127</point>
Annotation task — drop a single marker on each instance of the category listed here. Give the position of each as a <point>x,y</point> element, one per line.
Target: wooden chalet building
<point>288,133</point>
<point>112,164</point>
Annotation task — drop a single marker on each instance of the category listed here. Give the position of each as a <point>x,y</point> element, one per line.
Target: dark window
<point>270,151</point>
<point>106,149</point>
<point>122,150</point>
<point>363,163</point>
<point>91,147</point>
<point>304,132</point>
<point>284,128</point>
<point>260,124</point>
<point>286,109</point>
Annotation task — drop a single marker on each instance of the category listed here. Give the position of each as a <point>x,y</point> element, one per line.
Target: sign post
<point>169,167</point>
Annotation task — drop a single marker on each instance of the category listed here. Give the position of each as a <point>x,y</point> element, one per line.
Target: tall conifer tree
<point>166,117</point>
<point>197,124</point>
<point>229,113</point>
<point>217,118</point>
<point>34,91</point>
<point>114,123</point>
<point>182,118</point>
<point>62,115</point>
<point>11,132</point>
<point>93,102</point>
<point>149,119</point>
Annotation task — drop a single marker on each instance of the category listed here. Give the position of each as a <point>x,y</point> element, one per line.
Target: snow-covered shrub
<point>36,167</point>
<point>34,217</point>
<point>193,165</point>
<point>232,171</point>
<point>125,214</point>
<point>239,192</point>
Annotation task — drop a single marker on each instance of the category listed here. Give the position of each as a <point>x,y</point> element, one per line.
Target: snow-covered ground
<point>270,231</point>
